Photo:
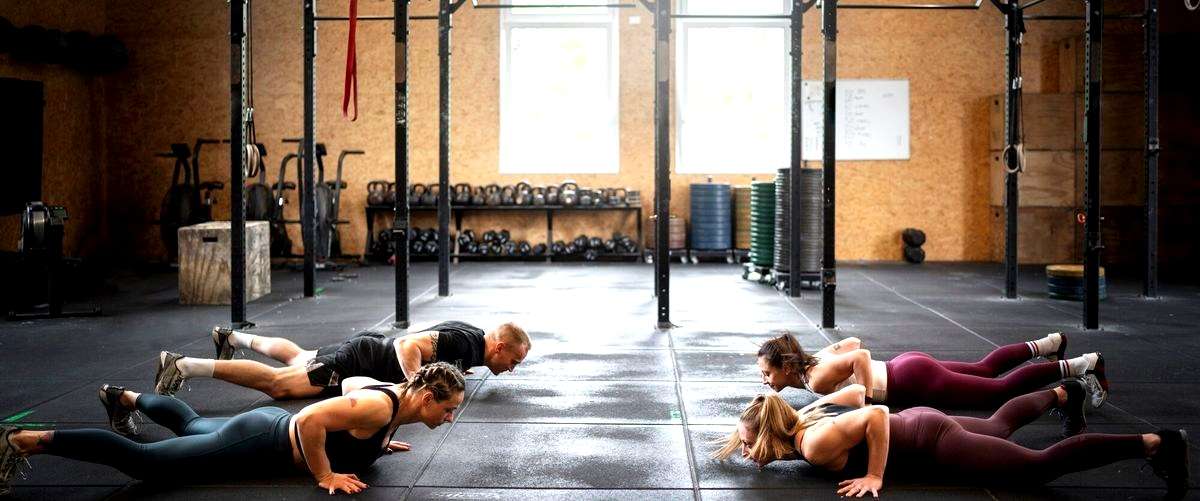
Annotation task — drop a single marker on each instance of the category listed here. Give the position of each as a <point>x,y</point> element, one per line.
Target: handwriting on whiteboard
<point>871,120</point>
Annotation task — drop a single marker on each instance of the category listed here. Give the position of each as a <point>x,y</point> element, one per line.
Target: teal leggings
<point>254,443</point>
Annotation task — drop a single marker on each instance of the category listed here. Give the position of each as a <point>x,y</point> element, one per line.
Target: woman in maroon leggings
<point>916,378</point>
<point>866,442</point>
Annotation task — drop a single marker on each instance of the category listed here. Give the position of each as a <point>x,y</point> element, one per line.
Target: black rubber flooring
<point>606,406</point>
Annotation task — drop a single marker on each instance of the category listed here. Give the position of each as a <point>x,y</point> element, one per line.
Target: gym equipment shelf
<point>550,210</point>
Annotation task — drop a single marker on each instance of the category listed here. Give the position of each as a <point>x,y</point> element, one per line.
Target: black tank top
<point>347,453</point>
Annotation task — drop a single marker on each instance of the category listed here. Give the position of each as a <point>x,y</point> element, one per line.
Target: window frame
<point>682,26</point>
<point>511,19</point>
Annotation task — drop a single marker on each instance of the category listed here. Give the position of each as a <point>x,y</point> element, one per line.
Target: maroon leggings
<point>957,446</point>
<point>916,378</point>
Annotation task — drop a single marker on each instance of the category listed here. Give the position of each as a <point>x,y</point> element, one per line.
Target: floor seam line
<point>812,324</point>
<point>931,310</point>
<point>687,435</point>
<point>437,448</point>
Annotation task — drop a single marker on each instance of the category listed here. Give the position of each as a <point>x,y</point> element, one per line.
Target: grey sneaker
<point>168,379</point>
<point>1073,419</point>
<point>9,458</point>
<point>220,337</point>
<point>1096,393</point>
<point>119,418</point>
<point>1171,462</point>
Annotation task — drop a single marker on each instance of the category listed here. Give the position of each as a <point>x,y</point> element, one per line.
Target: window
<point>734,88</point>
<point>558,89</point>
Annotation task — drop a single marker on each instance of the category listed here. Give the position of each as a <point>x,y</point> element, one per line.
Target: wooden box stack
<point>1052,185</point>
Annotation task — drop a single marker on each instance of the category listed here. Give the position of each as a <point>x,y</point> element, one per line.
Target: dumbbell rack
<point>459,210</point>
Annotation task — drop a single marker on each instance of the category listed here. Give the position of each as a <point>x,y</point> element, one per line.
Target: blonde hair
<point>774,423</point>
<point>512,334</point>
<point>439,378</point>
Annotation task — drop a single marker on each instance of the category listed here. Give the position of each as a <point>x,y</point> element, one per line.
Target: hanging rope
<point>1190,5</point>
<point>351,86</point>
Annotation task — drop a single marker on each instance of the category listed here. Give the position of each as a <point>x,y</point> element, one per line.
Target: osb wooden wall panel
<point>73,137</point>
<point>179,85</point>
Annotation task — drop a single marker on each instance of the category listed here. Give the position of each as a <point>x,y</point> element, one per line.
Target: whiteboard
<point>872,119</point>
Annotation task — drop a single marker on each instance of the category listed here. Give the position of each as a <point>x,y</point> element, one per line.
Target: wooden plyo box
<point>1044,234</point>
<point>204,268</point>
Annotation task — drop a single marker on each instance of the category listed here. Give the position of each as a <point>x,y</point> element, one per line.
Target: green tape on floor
<point>17,417</point>
<point>676,415</point>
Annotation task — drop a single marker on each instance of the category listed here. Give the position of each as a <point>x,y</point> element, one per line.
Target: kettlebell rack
<point>550,210</point>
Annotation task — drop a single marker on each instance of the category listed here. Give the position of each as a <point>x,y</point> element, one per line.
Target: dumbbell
<point>431,247</point>
<point>503,236</point>
<point>539,250</point>
<point>590,255</point>
<point>510,248</point>
<point>489,237</point>
<point>524,248</point>
<point>596,243</point>
<point>558,248</point>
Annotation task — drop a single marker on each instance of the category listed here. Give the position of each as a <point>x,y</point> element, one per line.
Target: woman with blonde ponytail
<point>840,434</point>
<point>330,439</point>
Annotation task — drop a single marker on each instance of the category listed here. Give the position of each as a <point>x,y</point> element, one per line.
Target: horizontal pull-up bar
<point>477,5</point>
<point>373,18</point>
<point>730,16</point>
<point>1081,18</point>
<point>905,6</point>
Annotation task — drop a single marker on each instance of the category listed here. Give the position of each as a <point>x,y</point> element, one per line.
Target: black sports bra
<point>347,453</point>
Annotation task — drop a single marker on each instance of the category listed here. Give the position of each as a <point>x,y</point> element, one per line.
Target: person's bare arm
<point>843,346</point>
<point>348,412</point>
<point>413,350</point>
<point>857,362</point>
<point>851,396</point>
<point>829,447</point>
<point>357,383</point>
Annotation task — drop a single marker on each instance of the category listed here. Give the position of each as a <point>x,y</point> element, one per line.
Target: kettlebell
<point>377,192</point>
<point>585,198</point>
<point>507,195</point>
<point>568,193</point>
<point>493,194</point>
<point>416,193</point>
<point>523,195</point>
<point>599,197</point>
<point>389,198</point>
<point>462,194</point>
<point>539,196</point>
<point>431,194</point>
<point>478,197</point>
<point>552,197</point>
<point>616,196</point>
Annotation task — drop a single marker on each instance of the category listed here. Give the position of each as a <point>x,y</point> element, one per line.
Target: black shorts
<point>362,355</point>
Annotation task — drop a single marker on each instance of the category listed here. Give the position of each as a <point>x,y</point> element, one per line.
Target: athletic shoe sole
<point>167,379</point>
<point>220,337</point>
<point>120,419</point>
